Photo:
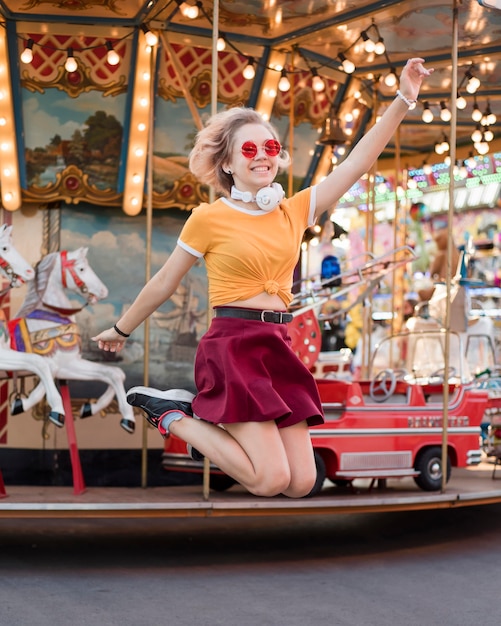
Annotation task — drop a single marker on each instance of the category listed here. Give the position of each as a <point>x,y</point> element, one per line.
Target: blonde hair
<point>213,145</point>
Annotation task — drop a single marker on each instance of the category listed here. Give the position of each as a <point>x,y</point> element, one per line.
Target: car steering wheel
<point>383,385</point>
<point>440,373</point>
<point>400,373</point>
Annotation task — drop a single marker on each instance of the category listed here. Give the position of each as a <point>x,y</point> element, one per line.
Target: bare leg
<point>299,450</point>
<point>255,454</point>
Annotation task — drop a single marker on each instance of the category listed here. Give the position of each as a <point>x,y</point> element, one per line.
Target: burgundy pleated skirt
<point>246,371</point>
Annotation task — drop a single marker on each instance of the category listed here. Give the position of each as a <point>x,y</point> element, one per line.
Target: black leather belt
<point>275,317</point>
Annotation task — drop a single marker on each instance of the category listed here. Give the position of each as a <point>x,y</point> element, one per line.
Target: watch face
<point>492,4</point>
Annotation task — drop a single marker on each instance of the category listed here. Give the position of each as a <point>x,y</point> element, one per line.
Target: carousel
<point>99,106</point>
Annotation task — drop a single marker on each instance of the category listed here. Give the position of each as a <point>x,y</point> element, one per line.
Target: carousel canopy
<point>100,100</point>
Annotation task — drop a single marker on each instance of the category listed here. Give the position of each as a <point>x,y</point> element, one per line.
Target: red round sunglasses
<point>271,147</point>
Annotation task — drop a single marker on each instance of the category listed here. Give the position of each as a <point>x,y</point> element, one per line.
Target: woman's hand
<point>110,340</point>
<point>412,77</point>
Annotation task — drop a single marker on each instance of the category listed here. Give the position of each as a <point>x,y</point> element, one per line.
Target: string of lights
<point>112,57</point>
<point>374,44</point>
<point>370,39</point>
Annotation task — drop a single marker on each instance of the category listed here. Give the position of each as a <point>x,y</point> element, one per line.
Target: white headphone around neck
<point>267,198</point>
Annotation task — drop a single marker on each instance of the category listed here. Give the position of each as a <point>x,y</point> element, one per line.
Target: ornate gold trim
<point>186,193</point>
<point>66,81</point>
<point>72,186</point>
<point>110,5</point>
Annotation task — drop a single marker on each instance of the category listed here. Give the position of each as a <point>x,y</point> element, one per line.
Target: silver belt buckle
<point>263,313</point>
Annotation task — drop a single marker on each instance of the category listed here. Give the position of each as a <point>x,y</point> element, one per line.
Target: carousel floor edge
<point>467,487</point>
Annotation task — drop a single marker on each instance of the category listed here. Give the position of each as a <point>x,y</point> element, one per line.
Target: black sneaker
<point>157,404</point>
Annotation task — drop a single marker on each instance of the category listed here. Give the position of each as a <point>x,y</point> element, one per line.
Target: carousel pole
<point>398,277</point>
<point>450,217</point>
<point>149,224</point>
<point>215,37</point>
<point>290,181</point>
<point>397,297</point>
<point>367,322</point>
<point>199,125</point>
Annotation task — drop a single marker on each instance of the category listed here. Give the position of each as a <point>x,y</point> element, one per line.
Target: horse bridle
<point>10,273</point>
<point>68,266</point>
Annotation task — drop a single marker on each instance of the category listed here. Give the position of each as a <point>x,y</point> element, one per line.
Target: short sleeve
<point>195,235</point>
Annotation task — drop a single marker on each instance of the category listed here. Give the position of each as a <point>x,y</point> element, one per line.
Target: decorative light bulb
<point>476,135</point>
<point>476,115</point>
<point>445,114</point>
<point>151,38</point>
<point>380,48</point>
<point>249,71</point>
<point>482,147</point>
<point>460,102</point>
<point>27,53</point>
<point>348,66</point>
<point>317,82</point>
<point>491,118</point>
<point>390,80</point>
<point>112,57</point>
<point>189,11</point>
<point>345,64</point>
<point>283,83</point>
<point>473,84</point>
<point>369,45</point>
<point>71,65</point>
<point>427,115</point>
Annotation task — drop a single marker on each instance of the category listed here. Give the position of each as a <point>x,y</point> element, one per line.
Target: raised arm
<point>367,150</point>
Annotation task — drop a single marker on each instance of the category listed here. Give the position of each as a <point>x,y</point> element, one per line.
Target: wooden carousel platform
<point>468,487</point>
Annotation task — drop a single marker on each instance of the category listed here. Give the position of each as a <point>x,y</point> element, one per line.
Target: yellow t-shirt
<point>248,252</point>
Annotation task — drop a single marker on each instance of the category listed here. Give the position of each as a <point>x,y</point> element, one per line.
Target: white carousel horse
<point>46,325</point>
<point>18,271</point>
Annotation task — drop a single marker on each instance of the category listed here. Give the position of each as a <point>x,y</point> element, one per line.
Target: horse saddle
<point>64,335</point>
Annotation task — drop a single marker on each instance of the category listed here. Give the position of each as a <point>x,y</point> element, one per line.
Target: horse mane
<point>38,286</point>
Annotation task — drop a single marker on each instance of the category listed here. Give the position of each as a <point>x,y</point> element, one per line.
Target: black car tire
<point>429,464</point>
